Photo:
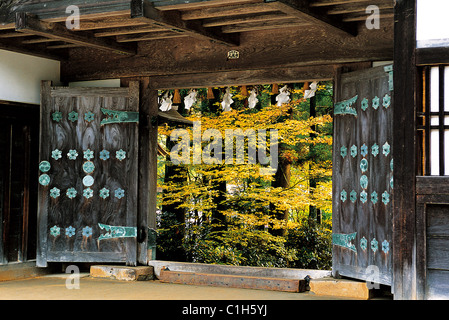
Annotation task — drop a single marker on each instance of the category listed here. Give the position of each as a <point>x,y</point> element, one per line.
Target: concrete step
<point>122,273</point>
<point>232,281</point>
<point>344,288</point>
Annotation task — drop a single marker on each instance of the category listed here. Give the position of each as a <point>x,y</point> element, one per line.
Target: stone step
<point>122,273</point>
<point>345,288</point>
<point>232,281</point>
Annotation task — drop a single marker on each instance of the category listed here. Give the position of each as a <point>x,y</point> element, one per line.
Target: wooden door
<point>363,175</point>
<point>88,174</point>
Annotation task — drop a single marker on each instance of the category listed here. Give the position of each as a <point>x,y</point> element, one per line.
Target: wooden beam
<point>404,152</point>
<point>28,24</point>
<point>302,10</point>
<point>195,4</point>
<point>321,3</point>
<point>36,50</point>
<point>234,10</point>
<point>267,25</point>
<point>385,14</point>
<point>55,11</point>
<point>106,23</point>
<point>281,47</point>
<point>358,8</point>
<point>260,17</point>
<point>149,36</point>
<point>130,30</point>
<point>243,77</point>
<point>143,10</point>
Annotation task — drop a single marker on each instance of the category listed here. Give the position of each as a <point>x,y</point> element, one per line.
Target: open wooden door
<point>88,175</point>
<point>363,175</point>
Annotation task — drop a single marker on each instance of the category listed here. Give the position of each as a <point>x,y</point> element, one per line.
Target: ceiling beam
<point>321,3</point>
<point>172,20</point>
<point>55,11</point>
<point>29,24</point>
<point>36,50</point>
<point>302,10</point>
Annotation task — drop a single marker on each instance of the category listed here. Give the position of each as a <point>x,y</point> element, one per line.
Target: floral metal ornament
<point>374,245</point>
<point>386,101</point>
<point>89,116</point>
<point>44,166</point>
<point>55,192</point>
<point>87,232</point>
<point>376,103</point>
<point>343,196</point>
<point>55,231</point>
<point>56,154</point>
<point>354,151</point>
<point>363,196</point>
<point>88,167</point>
<point>104,193</point>
<point>343,151</point>
<point>363,243</point>
<point>374,197</point>
<point>88,154</point>
<point>72,155</point>
<point>375,150</point>
<point>364,104</point>
<point>70,231</point>
<point>56,116</point>
<point>386,149</point>
<point>104,155</point>
<point>385,197</point>
<point>353,196</point>
<point>88,193</point>
<point>364,165</point>
<point>385,246</point>
<point>364,150</point>
<point>120,155</point>
<point>44,179</point>
<point>119,193</point>
<point>364,182</point>
<point>71,193</point>
<point>73,116</point>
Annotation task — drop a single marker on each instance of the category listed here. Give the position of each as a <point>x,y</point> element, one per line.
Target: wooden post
<point>404,151</point>
<point>147,192</point>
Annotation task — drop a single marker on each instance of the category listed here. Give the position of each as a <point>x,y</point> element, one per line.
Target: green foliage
<point>313,245</point>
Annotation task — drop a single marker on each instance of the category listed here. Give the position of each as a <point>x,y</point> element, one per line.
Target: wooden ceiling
<point>39,26</point>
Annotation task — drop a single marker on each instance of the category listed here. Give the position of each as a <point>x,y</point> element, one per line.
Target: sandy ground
<point>54,288</point>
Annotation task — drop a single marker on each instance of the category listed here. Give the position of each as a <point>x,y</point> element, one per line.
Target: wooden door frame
<point>405,152</point>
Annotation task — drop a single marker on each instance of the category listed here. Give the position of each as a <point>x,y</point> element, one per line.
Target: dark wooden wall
<point>19,132</point>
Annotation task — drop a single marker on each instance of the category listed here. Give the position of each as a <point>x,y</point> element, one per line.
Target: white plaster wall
<point>21,75</point>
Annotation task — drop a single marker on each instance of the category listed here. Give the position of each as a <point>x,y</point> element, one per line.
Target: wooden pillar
<point>148,165</point>
<point>147,184</point>
<point>404,151</point>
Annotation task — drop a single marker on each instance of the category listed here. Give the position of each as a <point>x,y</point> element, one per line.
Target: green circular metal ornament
<point>44,166</point>
<point>88,167</point>
<point>44,179</point>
